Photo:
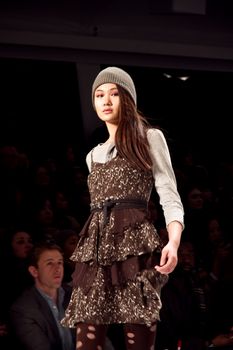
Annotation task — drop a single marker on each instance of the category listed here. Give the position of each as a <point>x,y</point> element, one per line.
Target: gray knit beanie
<point>117,76</point>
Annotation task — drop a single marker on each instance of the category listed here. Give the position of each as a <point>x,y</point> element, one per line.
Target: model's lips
<point>109,110</point>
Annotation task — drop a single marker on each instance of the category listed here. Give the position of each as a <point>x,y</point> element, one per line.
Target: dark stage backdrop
<point>40,107</point>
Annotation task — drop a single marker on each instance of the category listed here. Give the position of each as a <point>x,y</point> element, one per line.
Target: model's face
<point>107,103</point>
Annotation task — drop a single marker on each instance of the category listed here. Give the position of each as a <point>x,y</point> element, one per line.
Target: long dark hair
<point>131,140</point>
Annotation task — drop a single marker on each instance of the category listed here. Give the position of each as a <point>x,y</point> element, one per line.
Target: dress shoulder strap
<point>92,161</point>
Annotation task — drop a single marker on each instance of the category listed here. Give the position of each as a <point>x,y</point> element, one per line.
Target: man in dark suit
<point>35,316</point>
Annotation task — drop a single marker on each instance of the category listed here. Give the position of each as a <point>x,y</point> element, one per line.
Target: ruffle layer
<point>114,280</point>
<point>126,234</point>
<point>119,273</point>
<point>137,301</point>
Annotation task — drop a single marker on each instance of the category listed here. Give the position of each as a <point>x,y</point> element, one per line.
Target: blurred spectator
<point>15,278</point>
<point>184,313</point>
<point>67,240</point>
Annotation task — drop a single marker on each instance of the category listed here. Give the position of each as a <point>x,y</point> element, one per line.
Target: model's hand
<point>168,260</point>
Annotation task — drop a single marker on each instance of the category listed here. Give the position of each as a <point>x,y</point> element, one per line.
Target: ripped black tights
<point>137,337</point>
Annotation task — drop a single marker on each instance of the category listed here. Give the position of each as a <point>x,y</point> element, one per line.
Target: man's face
<point>50,270</point>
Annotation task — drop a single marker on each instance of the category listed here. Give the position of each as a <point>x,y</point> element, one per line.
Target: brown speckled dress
<point>115,280</point>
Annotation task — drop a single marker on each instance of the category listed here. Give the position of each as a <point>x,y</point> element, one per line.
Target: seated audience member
<point>184,310</point>
<point>15,247</point>
<point>220,321</point>
<point>35,316</point>
<point>67,240</point>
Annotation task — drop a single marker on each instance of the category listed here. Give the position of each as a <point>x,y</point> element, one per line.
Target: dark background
<point>40,107</point>
<point>43,42</point>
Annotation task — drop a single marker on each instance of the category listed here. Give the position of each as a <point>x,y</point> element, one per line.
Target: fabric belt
<point>110,203</point>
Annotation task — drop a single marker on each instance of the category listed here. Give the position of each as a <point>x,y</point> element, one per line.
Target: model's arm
<point>166,187</point>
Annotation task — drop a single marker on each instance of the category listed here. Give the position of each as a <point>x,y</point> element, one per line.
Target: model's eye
<point>115,93</point>
<point>99,95</point>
